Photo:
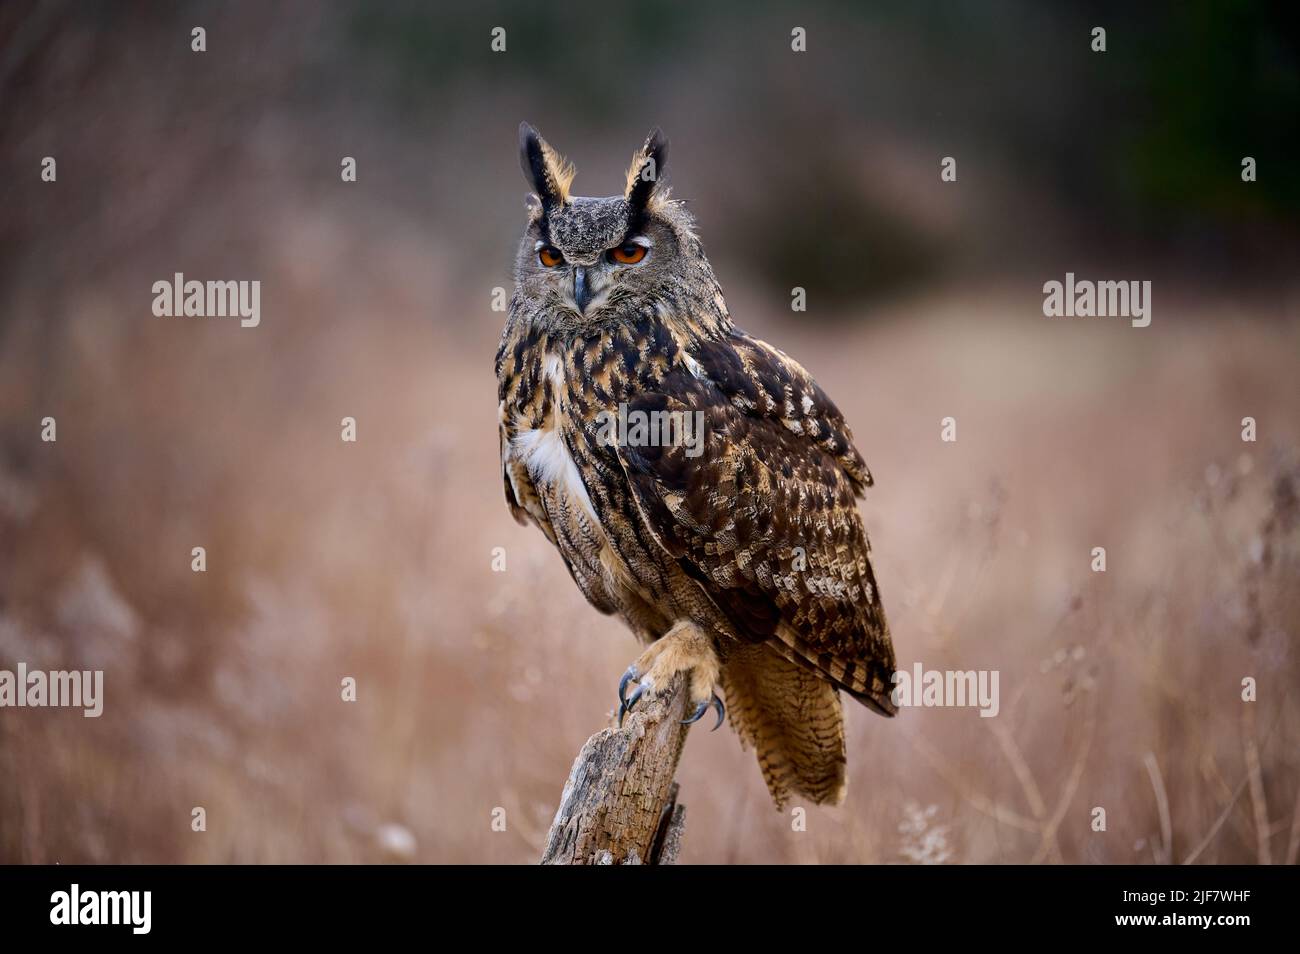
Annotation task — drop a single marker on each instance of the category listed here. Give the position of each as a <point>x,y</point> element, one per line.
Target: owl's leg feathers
<point>686,648</point>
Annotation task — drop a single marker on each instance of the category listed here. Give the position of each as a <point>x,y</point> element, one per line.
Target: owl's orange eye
<point>629,253</point>
<point>549,256</point>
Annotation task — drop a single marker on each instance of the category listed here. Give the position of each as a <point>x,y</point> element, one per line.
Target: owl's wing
<point>762,511</point>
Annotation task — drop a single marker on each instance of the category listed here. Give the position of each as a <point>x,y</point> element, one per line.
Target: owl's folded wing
<point>758,504</point>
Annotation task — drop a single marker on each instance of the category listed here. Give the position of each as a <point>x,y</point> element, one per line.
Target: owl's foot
<point>684,648</point>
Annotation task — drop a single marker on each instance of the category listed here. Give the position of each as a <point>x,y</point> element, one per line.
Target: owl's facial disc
<point>585,247</point>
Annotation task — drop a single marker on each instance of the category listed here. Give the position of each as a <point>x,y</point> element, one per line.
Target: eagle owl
<point>738,557</point>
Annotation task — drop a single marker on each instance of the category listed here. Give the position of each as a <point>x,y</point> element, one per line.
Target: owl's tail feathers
<point>792,718</point>
<point>867,678</point>
<point>874,698</point>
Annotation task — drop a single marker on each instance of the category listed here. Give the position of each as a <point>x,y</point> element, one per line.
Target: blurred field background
<point>373,560</point>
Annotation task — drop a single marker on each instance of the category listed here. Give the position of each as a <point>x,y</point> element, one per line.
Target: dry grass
<point>1119,690</point>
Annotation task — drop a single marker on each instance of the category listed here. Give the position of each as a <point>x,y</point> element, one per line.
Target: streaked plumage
<point>754,547</point>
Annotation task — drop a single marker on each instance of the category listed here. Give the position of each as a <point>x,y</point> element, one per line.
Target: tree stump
<point>619,805</point>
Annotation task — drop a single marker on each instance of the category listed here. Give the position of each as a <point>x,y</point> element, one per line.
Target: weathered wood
<point>619,804</point>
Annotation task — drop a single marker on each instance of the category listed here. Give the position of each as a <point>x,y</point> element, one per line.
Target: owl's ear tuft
<point>646,172</point>
<point>546,170</point>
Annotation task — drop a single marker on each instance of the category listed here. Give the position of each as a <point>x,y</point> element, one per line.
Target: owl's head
<point>585,262</point>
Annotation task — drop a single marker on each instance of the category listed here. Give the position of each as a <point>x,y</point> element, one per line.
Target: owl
<point>696,481</point>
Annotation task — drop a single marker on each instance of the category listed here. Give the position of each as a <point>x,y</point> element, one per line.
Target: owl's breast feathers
<point>761,514</point>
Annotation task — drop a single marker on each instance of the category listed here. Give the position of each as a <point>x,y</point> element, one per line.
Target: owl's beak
<point>582,293</point>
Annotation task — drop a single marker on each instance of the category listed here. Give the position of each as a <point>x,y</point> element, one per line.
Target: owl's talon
<point>627,706</point>
<point>622,688</point>
<point>704,707</point>
<point>624,703</point>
